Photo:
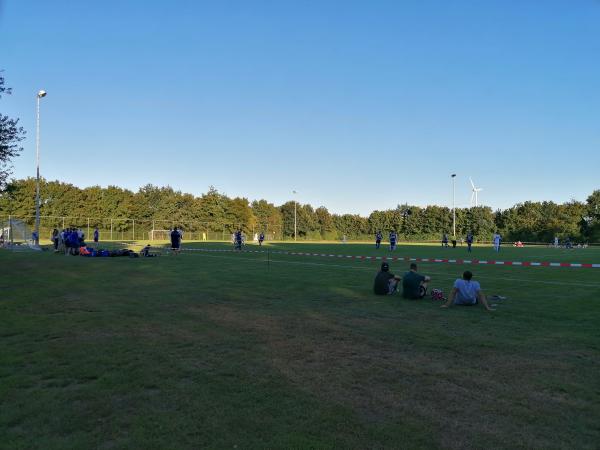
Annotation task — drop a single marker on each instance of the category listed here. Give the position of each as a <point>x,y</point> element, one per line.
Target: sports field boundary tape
<point>405,258</point>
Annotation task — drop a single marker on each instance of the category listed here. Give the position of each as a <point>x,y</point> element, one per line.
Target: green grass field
<point>256,350</point>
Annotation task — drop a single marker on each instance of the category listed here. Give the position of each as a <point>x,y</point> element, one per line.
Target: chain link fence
<point>128,229</point>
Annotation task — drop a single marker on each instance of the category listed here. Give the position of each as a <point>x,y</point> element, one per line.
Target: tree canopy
<point>10,136</point>
<point>162,207</point>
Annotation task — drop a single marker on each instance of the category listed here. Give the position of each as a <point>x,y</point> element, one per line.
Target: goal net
<point>15,231</point>
<point>159,235</point>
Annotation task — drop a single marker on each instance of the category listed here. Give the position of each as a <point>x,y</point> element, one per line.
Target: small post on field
<point>133,234</point>
<point>10,236</point>
<point>88,230</point>
<point>111,228</point>
<point>63,223</point>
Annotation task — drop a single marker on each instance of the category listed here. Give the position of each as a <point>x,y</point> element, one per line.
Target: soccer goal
<point>159,235</point>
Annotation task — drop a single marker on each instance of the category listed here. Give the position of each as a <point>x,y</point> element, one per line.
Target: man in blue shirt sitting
<point>466,293</point>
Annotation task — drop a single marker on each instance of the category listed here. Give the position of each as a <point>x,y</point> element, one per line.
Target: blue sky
<point>356,105</point>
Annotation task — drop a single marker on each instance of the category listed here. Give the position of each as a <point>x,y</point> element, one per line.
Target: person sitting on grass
<point>385,281</point>
<point>466,293</point>
<point>145,252</point>
<point>84,251</point>
<point>414,285</point>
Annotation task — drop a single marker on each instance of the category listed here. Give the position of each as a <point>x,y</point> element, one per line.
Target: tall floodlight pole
<point>453,176</point>
<point>295,221</point>
<point>40,95</point>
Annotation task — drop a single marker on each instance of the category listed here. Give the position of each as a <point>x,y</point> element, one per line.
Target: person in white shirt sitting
<point>466,293</point>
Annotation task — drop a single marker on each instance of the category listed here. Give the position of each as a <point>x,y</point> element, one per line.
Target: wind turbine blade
<point>472,197</point>
<point>472,184</point>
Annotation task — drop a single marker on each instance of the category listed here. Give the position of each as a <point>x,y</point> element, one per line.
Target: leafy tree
<point>240,215</point>
<point>325,222</point>
<point>268,218</point>
<point>10,136</point>
<point>215,212</point>
<point>306,219</point>
<point>591,221</point>
<point>380,221</point>
<point>479,220</point>
<point>351,225</point>
<point>211,207</point>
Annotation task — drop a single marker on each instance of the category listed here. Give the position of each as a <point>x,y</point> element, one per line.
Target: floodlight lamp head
<point>41,93</point>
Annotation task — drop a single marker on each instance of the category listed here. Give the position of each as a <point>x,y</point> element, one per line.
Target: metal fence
<point>125,229</point>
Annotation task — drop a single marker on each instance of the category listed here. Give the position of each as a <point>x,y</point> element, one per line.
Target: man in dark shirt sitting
<point>414,285</point>
<point>385,282</point>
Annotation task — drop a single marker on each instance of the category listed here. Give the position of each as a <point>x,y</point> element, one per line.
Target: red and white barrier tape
<point>406,258</point>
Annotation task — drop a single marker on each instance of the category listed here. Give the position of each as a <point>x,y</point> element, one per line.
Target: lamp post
<point>453,176</point>
<point>40,95</point>
<point>295,221</point>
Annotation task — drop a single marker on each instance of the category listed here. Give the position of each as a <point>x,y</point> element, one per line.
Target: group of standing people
<point>393,237</point>
<point>469,239</point>
<point>70,240</point>
<point>238,239</point>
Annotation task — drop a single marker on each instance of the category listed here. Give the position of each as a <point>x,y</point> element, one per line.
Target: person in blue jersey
<point>393,239</point>
<point>444,240</point>
<point>466,292</point>
<point>175,241</point>
<point>72,241</point>
<point>261,238</point>
<point>238,240</point>
<point>469,240</point>
<point>96,236</point>
<point>378,238</point>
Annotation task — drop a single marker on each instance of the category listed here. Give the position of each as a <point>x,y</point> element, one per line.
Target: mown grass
<point>254,350</point>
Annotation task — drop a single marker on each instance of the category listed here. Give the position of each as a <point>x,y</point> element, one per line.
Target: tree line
<point>160,207</point>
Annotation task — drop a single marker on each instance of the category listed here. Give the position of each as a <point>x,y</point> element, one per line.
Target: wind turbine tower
<point>474,192</point>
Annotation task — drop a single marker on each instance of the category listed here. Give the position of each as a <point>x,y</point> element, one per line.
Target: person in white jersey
<point>497,239</point>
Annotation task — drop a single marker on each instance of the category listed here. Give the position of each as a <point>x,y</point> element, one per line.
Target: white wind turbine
<point>474,192</point>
